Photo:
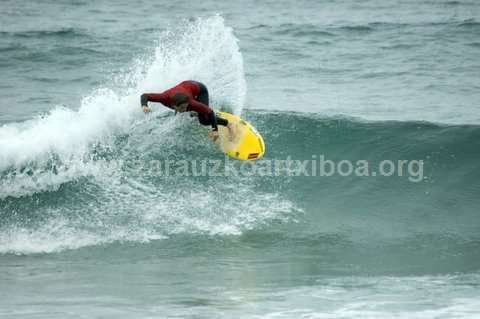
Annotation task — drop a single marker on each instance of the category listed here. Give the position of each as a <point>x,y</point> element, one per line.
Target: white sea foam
<point>204,50</point>
<point>443,296</point>
<point>128,205</point>
<point>136,212</point>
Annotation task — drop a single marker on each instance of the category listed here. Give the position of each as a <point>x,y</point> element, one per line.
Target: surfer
<point>188,96</point>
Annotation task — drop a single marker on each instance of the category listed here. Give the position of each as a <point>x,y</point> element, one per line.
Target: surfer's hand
<point>213,135</point>
<point>146,109</point>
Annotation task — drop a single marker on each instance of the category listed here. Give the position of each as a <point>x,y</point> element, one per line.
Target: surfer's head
<point>180,102</point>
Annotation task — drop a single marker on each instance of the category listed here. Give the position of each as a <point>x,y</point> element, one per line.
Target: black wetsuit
<point>203,118</point>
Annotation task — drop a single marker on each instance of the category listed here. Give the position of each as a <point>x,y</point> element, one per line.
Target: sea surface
<point>92,226</point>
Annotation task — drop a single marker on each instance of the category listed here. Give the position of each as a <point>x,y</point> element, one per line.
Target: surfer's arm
<point>154,97</point>
<point>204,109</point>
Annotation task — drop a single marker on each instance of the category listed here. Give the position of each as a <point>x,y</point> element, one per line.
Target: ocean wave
<point>60,33</point>
<point>300,30</point>
<point>469,23</point>
<point>375,297</point>
<point>333,30</point>
<point>116,203</point>
<point>14,47</point>
<point>68,136</point>
<point>358,28</point>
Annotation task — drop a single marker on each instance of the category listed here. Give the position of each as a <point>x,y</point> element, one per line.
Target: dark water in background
<point>85,232</point>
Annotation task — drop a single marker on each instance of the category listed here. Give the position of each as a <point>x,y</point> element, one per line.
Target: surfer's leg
<point>205,120</point>
<point>221,121</point>
<point>203,98</point>
<point>203,95</point>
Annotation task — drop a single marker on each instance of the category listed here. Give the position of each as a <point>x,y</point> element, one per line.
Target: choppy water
<point>86,231</point>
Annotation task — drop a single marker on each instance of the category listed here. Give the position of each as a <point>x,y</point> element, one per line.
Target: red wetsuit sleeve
<point>198,107</point>
<point>155,97</point>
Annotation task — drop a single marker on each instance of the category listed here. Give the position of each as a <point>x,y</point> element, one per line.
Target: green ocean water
<point>92,227</point>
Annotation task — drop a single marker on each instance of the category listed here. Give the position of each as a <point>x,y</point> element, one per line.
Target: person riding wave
<point>188,96</point>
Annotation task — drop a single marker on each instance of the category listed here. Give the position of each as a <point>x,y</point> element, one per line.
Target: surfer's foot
<point>213,135</point>
<point>231,131</point>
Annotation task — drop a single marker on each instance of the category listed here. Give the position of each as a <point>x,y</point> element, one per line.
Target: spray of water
<point>43,153</point>
<point>89,200</point>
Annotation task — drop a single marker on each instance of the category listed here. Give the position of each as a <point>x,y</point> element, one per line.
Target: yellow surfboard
<point>246,144</point>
